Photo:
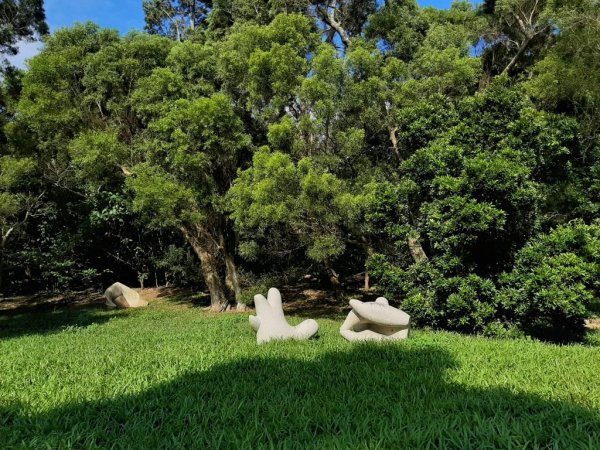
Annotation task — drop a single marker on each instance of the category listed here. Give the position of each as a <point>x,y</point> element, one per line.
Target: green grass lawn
<point>169,377</point>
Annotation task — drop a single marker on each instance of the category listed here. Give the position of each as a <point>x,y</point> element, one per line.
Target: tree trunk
<point>200,242</point>
<point>394,141</point>
<point>370,252</point>
<point>142,278</point>
<point>193,16</point>
<point>515,58</point>
<point>218,300</point>
<point>334,277</point>
<point>3,242</point>
<point>1,269</point>
<point>416,250</point>
<point>232,279</point>
<point>328,16</point>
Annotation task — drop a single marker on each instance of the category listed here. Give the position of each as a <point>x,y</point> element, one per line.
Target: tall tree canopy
<point>174,18</point>
<point>20,20</point>
<point>450,157</point>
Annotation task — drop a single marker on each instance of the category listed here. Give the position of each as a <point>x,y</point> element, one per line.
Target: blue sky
<point>123,15</point>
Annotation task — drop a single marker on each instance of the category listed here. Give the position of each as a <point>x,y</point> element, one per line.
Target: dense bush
<point>553,287</point>
<point>555,283</point>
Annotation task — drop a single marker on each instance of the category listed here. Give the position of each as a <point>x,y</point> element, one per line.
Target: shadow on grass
<point>14,325</point>
<point>185,297</point>
<point>368,397</point>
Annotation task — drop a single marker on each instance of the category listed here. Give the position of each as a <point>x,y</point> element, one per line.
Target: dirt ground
<point>48,302</point>
<point>302,298</point>
<point>45,302</point>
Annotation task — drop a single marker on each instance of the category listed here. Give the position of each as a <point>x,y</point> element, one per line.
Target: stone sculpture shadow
<point>367,396</point>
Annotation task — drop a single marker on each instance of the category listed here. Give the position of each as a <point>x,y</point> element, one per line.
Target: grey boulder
<point>120,296</point>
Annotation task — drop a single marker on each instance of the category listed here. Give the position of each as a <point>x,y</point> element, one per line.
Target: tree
<point>175,18</point>
<point>520,30</point>
<point>17,202</point>
<point>20,20</point>
<point>344,127</point>
<point>401,25</point>
<point>566,79</point>
<point>476,195</point>
<point>566,82</point>
<point>73,118</point>
<point>344,18</point>
<point>311,205</point>
<point>428,149</point>
<point>225,13</point>
<point>190,155</point>
<point>101,129</point>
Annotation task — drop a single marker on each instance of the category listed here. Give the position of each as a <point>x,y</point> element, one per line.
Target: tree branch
<point>328,16</point>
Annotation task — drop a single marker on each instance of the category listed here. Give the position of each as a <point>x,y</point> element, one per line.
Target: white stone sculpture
<point>375,321</point>
<point>270,324</point>
<point>119,295</point>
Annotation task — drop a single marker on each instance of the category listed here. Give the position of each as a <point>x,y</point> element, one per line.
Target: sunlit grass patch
<point>166,377</point>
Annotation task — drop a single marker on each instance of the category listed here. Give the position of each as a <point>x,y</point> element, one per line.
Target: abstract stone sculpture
<point>119,295</point>
<point>375,321</point>
<point>270,324</point>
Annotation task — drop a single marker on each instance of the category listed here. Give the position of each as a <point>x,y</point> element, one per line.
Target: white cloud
<point>27,50</point>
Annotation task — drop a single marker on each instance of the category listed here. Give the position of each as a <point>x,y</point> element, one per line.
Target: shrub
<point>459,303</point>
<point>473,305</point>
<point>180,266</point>
<point>554,283</point>
<point>553,286</point>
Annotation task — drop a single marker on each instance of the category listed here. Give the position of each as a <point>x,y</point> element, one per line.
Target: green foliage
<point>425,120</point>
<point>551,290</point>
<point>518,33</point>
<point>473,304</point>
<point>161,199</point>
<point>470,201</point>
<point>434,149</point>
<point>401,25</point>
<point>16,200</point>
<point>459,303</point>
<point>476,202</point>
<point>180,266</point>
<point>174,18</point>
<point>13,171</point>
<point>95,154</point>
<point>20,20</point>
<point>264,66</point>
<point>309,203</point>
<point>566,76</point>
<point>554,284</point>
<point>191,152</point>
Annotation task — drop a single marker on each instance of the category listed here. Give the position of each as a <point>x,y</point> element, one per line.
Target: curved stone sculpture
<point>270,324</point>
<point>119,295</point>
<point>375,321</point>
